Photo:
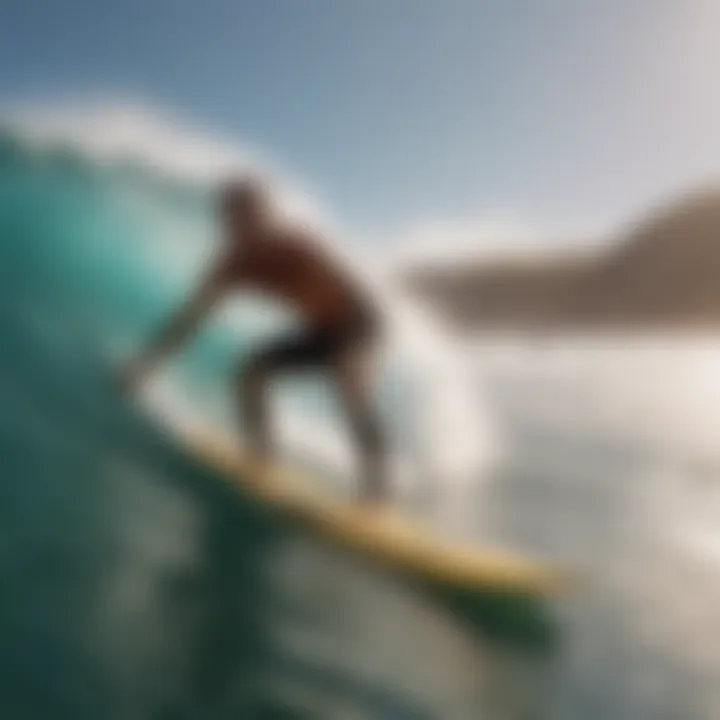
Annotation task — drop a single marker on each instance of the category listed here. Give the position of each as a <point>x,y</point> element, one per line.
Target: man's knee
<point>369,431</point>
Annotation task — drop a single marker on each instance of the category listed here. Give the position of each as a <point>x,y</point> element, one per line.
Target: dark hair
<point>243,192</point>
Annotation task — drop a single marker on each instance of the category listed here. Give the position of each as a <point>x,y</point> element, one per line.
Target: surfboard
<point>385,539</point>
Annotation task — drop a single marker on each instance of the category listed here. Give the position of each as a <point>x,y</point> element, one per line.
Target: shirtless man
<point>340,324</point>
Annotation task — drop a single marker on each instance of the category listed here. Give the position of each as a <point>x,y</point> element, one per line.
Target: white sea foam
<point>453,442</point>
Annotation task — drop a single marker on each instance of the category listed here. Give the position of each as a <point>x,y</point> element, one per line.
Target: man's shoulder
<point>293,233</point>
<point>295,239</point>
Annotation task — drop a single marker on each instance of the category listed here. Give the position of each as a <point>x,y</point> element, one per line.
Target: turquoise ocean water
<point>136,585</point>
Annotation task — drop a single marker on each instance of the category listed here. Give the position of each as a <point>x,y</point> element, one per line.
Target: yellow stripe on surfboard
<point>382,538</point>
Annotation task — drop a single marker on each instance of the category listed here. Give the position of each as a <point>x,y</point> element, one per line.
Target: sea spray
<point>153,230</point>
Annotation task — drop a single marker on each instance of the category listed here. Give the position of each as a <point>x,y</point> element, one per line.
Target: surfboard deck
<point>383,538</point>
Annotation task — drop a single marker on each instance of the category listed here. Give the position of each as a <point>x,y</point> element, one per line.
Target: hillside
<point>662,273</point>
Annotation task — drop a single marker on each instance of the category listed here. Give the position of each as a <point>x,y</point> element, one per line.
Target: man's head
<point>244,203</point>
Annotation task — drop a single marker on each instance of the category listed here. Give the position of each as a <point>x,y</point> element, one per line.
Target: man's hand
<point>175,332</point>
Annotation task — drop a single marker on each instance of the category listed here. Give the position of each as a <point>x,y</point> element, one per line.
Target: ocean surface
<point>136,585</point>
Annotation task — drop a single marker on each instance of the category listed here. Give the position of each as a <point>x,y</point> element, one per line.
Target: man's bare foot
<point>262,470</point>
<point>259,464</point>
<point>374,509</point>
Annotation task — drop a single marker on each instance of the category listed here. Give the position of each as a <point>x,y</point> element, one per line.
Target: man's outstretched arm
<point>178,329</point>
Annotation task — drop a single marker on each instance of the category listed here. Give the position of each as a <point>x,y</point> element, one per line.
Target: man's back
<point>289,265</point>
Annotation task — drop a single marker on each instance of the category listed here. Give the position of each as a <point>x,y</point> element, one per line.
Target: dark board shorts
<point>318,346</point>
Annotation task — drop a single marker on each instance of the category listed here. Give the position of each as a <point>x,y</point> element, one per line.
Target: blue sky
<point>558,111</point>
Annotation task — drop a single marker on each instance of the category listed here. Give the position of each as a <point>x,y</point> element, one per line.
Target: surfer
<point>339,333</point>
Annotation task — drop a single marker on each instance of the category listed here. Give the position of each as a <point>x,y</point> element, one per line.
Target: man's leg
<point>254,404</point>
<point>355,376</point>
<point>302,350</point>
<point>354,371</point>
